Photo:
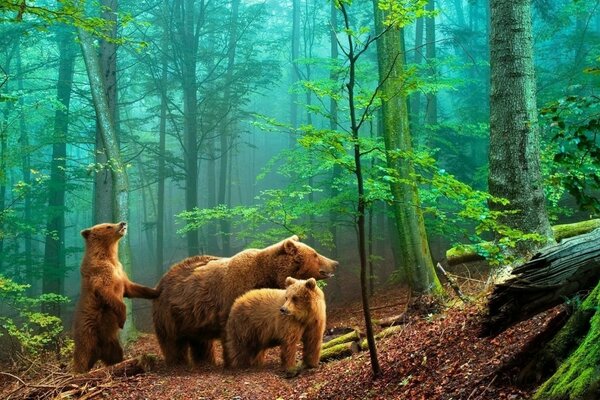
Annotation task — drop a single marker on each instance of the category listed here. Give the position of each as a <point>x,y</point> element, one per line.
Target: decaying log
<point>553,275</point>
<point>565,231</point>
<point>85,385</point>
<point>351,343</point>
<point>353,336</point>
<point>340,350</point>
<point>468,253</point>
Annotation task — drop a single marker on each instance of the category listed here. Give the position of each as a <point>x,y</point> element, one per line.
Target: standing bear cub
<point>101,310</point>
<point>198,292</point>
<point>265,318</point>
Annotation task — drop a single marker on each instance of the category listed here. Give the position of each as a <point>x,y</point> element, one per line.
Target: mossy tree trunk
<point>418,269</point>
<point>120,201</point>
<point>514,131</point>
<point>578,376</point>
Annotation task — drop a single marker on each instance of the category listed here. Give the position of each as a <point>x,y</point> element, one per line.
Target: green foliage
<point>21,320</point>
<point>574,125</point>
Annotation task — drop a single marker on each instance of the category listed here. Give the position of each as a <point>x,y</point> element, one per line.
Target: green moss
<point>579,375</point>
<point>578,228</point>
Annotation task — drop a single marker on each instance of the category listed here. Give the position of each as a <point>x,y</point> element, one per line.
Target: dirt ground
<point>435,355</point>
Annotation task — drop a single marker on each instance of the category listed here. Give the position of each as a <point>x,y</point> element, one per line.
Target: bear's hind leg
<point>174,350</point>
<point>112,352</point>
<point>202,351</point>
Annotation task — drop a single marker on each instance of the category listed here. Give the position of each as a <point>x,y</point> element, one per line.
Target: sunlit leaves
<point>32,329</point>
<point>400,13</point>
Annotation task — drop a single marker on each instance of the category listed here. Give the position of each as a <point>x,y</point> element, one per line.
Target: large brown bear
<point>265,318</point>
<point>197,294</point>
<point>101,310</point>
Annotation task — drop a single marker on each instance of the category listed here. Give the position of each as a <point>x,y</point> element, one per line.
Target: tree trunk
<point>418,269</point>
<point>103,184</point>
<point>514,131</point>
<point>54,249</point>
<point>120,201</point>
<point>294,70</point>
<point>431,112</point>
<point>578,377</point>
<point>361,204</point>
<point>186,21</point>
<point>162,132</point>
<point>415,103</point>
<point>25,166</point>
<point>228,128</point>
<point>333,125</point>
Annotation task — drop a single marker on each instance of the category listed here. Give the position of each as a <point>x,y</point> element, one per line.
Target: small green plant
<point>21,319</point>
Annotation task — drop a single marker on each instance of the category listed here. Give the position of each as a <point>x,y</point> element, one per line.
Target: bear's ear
<point>289,246</point>
<point>311,283</point>
<point>289,281</point>
<point>295,238</point>
<point>86,233</point>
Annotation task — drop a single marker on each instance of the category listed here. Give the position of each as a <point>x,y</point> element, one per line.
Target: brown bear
<point>101,311</point>
<point>197,293</point>
<point>265,318</point>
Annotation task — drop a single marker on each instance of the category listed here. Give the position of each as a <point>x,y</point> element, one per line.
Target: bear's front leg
<point>312,339</point>
<point>288,359</point>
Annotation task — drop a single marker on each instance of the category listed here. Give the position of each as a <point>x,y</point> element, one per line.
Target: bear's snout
<point>122,227</point>
<point>327,270</point>
<point>284,311</point>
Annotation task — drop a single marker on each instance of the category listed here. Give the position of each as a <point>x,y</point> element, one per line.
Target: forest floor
<point>436,355</point>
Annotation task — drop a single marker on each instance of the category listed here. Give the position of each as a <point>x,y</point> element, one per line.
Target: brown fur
<point>265,318</point>
<point>197,293</point>
<point>101,310</point>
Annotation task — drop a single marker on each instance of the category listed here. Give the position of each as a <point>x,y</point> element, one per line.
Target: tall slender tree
<point>514,154</point>
<point>107,53</point>
<point>54,247</point>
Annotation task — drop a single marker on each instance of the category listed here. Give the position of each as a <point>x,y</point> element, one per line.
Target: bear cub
<point>265,318</point>
<point>100,311</point>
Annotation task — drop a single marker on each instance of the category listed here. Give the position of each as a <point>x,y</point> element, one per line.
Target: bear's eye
<point>294,298</point>
<point>108,227</point>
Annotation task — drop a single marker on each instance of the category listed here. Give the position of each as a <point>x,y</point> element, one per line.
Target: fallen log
<point>382,335</point>
<point>340,350</point>
<point>552,276</point>
<point>389,321</point>
<point>353,336</point>
<point>336,348</point>
<point>465,253</point>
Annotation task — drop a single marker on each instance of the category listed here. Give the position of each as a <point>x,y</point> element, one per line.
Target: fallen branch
<point>85,385</point>
<point>390,321</point>
<point>353,336</point>
<point>452,283</point>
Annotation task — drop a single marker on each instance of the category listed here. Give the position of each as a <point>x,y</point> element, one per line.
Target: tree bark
<point>418,269</point>
<point>103,184</point>
<point>54,248</point>
<point>162,139</point>
<point>514,132</point>
<point>186,20</point>
<point>431,112</point>
<point>120,200</point>
<point>294,68</point>
<point>226,138</point>
<point>361,202</point>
